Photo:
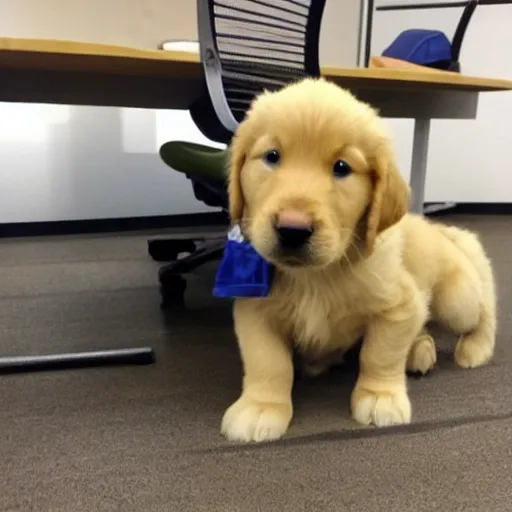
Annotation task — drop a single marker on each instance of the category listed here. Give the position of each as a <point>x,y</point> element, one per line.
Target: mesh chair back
<point>248,46</point>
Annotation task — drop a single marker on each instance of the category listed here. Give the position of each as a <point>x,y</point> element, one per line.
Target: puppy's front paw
<point>381,408</point>
<point>247,420</point>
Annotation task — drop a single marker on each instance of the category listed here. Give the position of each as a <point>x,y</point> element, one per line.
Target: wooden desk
<point>45,71</point>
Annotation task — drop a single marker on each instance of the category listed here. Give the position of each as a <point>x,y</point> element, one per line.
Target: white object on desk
<point>180,46</point>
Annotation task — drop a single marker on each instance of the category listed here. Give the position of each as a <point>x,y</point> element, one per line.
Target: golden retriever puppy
<point>315,187</point>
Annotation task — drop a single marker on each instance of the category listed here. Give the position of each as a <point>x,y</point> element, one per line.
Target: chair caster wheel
<point>172,291</point>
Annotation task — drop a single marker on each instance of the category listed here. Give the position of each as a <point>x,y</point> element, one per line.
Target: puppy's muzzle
<point>294,229</point>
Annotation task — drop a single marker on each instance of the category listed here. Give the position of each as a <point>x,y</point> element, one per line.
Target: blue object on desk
<point>423,47</point>
<point>242,273</point>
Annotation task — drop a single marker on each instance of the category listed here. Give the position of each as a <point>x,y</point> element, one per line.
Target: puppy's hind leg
<point>422,356</point>
<point>466,302</point>
<point>476,347</point>
<point>313,367</point>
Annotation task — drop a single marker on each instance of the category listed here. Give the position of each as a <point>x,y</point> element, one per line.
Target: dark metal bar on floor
<point>26,364</point>
<point>439,207</point>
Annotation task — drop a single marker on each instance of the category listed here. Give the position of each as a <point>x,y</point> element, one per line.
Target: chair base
<point>172,283</point>
<point>169,249</point>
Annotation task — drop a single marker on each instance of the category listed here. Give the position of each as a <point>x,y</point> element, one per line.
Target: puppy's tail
<point>477,346</point>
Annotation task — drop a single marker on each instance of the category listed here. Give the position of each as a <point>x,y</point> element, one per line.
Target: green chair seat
<point>195,159</point>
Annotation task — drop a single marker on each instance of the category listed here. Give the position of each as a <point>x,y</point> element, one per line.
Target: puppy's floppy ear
<point>237,156</point>
<point>390,198</point>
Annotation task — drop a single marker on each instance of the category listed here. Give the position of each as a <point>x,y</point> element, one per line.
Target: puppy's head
<point>311,173</point>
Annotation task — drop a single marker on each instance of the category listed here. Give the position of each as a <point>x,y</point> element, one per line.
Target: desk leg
<point>419,163</point>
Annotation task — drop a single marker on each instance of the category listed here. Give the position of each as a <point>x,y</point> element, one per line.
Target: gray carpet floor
<point>147,438</point>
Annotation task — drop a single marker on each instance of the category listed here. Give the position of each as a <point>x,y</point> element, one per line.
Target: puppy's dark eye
<point>272,157</point>
<point>341,169</point>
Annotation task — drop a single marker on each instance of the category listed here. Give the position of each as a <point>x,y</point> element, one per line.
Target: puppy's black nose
<point>294,229</point>
<point>293,238</point>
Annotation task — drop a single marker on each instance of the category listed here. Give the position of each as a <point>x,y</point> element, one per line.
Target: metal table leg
<point>419,163</point>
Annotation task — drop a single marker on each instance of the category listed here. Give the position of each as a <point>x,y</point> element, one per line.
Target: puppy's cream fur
<point>372,271</point>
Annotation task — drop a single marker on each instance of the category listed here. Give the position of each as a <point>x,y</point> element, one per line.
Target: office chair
<point>246,47</point>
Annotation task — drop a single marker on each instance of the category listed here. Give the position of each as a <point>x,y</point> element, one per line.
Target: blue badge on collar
<point>242,271</point>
